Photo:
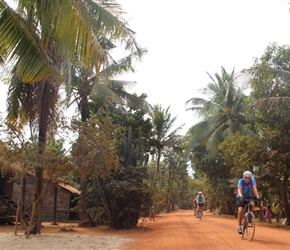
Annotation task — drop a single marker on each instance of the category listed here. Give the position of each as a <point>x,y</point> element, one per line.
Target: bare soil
<point>176,230</point>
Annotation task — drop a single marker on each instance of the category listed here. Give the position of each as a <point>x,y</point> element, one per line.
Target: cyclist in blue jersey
<point>246,187</point>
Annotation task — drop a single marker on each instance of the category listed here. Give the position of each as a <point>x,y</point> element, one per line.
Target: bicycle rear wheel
<point>250,227</point>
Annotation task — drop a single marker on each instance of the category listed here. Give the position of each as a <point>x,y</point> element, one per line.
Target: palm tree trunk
<point>157,168</point>
<point>168,208</point>
<point>42,139</point>
<point>47,92</point>
<point>83,212</point>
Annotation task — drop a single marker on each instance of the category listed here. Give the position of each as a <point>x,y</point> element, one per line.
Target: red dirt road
<point>182,231</point>
<point>174,231</point>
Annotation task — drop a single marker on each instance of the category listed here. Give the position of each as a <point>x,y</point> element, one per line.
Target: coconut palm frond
<point>222,112</point>
<point>196,101</point>
<point>131,100</point>
<point>124,65</point>
<point>20,43</point>
<point>216,138</point>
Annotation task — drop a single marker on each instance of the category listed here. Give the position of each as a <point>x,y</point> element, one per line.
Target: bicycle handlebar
<point>251,199</point>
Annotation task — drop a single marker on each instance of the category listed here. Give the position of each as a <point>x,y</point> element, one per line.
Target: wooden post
<point>55,206</point>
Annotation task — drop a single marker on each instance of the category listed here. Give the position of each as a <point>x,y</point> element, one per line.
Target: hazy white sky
<point>187,38</point>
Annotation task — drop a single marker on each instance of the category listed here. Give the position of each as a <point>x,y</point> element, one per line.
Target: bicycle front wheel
<point>250,226</point>
<point>200,215</point>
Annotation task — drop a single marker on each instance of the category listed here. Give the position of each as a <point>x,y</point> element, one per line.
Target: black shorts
<point>200,204</point>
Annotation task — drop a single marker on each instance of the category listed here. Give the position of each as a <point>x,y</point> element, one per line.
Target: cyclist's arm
<point>255,190</point>
<point>240,191</point>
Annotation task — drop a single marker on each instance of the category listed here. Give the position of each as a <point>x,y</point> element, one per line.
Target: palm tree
<point>223,114</point>
<point>164,135</point>
<point>38,46</point>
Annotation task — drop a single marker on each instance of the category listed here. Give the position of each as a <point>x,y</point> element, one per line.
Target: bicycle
<point>199,213</point>
<point>248,223</point>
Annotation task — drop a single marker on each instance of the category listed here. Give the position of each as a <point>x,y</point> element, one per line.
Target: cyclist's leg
<point>240,211</point>
<point>240,215</point>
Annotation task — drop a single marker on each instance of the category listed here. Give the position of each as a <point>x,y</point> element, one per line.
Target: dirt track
<point>175,231</point>
<point>181,230</point>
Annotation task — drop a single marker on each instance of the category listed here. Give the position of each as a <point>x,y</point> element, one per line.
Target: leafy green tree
<point>176,161</point>
<point>217,177</point>
<point>131,182</point>
<point>222,114</point>
<point>250,152</point>
<point>269,107</point>
<point>164,133</point>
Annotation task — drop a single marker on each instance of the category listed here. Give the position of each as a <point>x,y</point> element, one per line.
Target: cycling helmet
<point>247,174</point>
<point>199,192</point>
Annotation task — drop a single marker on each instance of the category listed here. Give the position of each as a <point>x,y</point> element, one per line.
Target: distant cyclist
<point>200,201</point>
<point>246,186</point>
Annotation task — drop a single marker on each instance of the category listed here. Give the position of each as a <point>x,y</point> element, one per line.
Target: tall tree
<point>164,133</point>
<point>176,160</point>
<point>222,114</point>
<point>269,108</point>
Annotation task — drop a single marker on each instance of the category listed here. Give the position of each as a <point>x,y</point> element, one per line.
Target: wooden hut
<point>59,203</point>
